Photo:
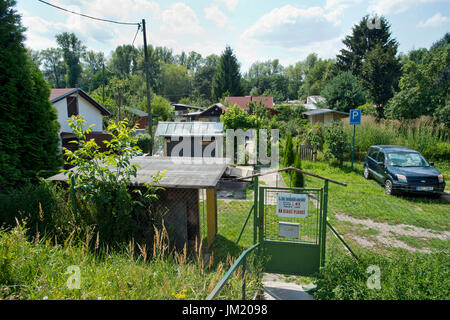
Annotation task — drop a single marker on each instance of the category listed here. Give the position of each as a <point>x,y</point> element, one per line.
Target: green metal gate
<point>302,250</point>
<point>299,254</point>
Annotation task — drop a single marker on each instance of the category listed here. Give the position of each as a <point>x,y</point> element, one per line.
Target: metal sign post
<point>355,119</point>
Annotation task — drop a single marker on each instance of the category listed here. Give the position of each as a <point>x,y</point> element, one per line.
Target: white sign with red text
<point>291,205</point>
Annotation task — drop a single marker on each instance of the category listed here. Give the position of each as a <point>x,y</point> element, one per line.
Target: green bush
<point>289,153</point>
<point>143,141</point>
<point>403,276</point>
<point>336,142</point>
<point>298,179</point>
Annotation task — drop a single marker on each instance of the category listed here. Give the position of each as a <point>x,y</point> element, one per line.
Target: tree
<point>298,179</point>
<point>124,61</point>
<point>318,75</point>
<point>371,56</point>
<point>289,154</point>
<point>336,143</point>
<point>28,121</point>
<point>54,68</point>
<point>175,82</point>
<point>227,76</point>
<point>380,73</point>
<point>344,92</point>
<point>72,50</point>
<point>423,86</point>
<point>202,81</point>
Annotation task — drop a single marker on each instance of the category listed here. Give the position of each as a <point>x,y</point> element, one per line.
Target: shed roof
<point>136,112</point>
<point>178,173</point>
<point>322,111</point>
<point>189,129</point>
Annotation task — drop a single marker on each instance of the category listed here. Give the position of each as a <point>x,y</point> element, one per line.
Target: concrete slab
<point>278,290</point>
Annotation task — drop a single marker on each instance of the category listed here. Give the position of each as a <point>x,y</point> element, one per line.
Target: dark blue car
<point>402,169</point>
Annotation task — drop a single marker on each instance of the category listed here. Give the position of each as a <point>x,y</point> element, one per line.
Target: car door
<point>372,160</point>
<point>381,166</point>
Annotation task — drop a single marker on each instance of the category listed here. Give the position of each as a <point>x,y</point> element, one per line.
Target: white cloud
<point>290,27</point>
<point>395,6</point>
<point>435,21</point>
<point>340,4</point>
<point>231,4</point>
<point>213,13</point>
<point>180,19</point>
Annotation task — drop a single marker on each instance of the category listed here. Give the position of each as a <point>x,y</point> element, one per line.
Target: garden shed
<point>189,189</point>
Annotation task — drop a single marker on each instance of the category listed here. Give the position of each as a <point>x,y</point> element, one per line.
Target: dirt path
<point>388,233</point>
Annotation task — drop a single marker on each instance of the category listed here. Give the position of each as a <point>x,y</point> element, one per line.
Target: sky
<point>256,30</point>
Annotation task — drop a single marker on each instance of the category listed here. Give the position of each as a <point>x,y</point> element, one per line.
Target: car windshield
<point>407,159</point>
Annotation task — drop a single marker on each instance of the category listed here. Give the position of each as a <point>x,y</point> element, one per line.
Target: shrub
<point>289,154</point>
<point>298,179</point>
<point>336,142</point>
<point>143,142</point>
<point>404,276</point>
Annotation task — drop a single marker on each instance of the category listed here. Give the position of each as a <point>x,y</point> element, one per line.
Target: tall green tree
<point>72,50</point>
<point>227,76</point>
<point>53,66</point>
<point>371,55</point>
<point>124,61</point>
<point>343,92</point>
<point>28,125</point>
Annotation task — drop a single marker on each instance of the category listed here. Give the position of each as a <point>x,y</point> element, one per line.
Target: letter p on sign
<point>355,117</point>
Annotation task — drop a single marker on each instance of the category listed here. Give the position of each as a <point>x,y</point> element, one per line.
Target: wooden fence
<point>307,153</point>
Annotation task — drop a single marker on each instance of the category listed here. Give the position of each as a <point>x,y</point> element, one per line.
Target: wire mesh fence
<point>308,226</point>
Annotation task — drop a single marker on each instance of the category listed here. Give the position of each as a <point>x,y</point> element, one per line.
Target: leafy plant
<point>336,142</point>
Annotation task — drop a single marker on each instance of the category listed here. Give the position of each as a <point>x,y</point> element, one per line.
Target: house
<point>325,116</point>
<point>212,114</point>
<point>137,117</point>
<point>180,197</point>
<point>312,102</point>
<point>184,112</point>
<point>199,138</point>
<point>244,102</point>
<point>74,102</point>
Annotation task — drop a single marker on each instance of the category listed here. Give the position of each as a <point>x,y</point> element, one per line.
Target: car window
<point>373,153</point>
<point>381,157</point>
<point>406,159</point>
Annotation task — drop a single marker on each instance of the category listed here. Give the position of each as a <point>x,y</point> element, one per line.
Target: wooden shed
<point>182,182</point>
<point>325,116</point>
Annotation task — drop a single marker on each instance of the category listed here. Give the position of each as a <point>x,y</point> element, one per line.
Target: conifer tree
<point>28,122</point>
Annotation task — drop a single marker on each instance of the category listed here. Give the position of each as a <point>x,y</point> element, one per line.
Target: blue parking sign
<point>355,117</point>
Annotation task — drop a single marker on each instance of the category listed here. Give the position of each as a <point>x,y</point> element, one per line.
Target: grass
<point>38,270</point>
<point>366,199</point>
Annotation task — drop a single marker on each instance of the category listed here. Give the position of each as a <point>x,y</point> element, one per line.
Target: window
<point>373,153</point>
<point>381,157</point>
<point>72,106</point>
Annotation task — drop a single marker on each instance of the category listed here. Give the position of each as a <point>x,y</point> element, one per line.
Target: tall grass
<point>422,134</point>
<point>38,270</point>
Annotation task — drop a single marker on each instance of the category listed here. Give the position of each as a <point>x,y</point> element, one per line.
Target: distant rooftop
<point>322,111</point>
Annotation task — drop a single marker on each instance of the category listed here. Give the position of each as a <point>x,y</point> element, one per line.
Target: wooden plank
<point>211,215</point>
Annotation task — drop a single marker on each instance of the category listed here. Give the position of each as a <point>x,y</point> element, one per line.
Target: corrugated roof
<point>322,111</point>
<point>136,112</point>
<point>186,129</point>
<point>179,173</point>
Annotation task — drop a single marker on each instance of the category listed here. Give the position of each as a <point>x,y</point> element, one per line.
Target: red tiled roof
<point>242,102</point>
<point>56,93</point>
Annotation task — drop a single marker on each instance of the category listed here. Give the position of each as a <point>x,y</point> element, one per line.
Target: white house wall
<point>90,113</point>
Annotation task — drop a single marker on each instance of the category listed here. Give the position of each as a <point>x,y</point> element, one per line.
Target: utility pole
<point>147,78</point>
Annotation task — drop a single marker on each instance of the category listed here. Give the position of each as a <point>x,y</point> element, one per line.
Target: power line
<point>90,17</point>
<point>137,31</point>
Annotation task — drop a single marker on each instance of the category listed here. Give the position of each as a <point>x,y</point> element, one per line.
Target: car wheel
<point>366,173</point>
<point>388,187</point>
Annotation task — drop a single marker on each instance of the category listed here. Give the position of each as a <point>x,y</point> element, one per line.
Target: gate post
<point>255,209</point>
<point>324,222</point>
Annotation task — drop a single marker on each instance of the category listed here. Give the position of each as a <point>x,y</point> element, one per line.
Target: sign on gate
<point>291,205</point>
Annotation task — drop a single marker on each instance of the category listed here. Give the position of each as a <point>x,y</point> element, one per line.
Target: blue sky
<point>256,30</point>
